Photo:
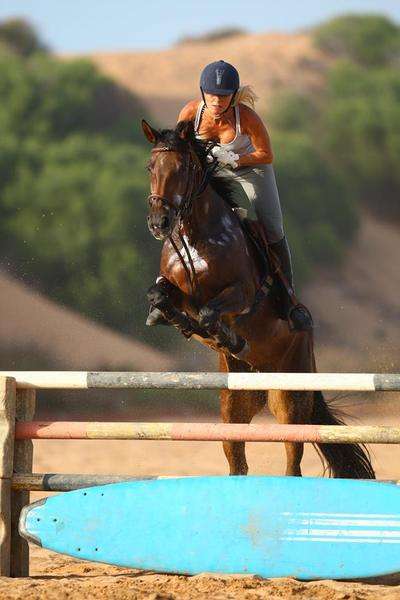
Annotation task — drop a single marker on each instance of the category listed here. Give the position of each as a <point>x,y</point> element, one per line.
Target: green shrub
<point>76,222</point>
<point>292,112</point>
<point>369,40</point>
<point>315,201</point>
<point>20,37</point>
<point>50,99</point>
<point>221,33</point>
<point>359,130</point>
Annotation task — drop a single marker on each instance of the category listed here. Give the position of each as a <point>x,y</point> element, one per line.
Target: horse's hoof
<point>241,355</point>
<point>156,317</point>
<point>300,318</point>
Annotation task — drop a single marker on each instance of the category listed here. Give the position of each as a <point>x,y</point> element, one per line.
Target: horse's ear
<point>151,134</point>
<point>185,130</point>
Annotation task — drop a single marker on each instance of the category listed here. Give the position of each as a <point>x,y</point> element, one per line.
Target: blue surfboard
<point>309,528</point>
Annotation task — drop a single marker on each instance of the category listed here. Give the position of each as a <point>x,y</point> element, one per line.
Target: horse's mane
<point>172,138</point>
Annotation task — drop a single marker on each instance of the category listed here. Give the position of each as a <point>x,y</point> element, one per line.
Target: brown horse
<point>210,287</point>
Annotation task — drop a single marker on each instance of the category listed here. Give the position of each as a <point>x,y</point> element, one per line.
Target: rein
<point>193,165</point>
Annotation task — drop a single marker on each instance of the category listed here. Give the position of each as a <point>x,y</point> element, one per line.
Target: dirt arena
<point>57,576</point>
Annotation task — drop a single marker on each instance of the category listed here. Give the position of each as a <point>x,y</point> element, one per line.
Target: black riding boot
<point>298,314</point>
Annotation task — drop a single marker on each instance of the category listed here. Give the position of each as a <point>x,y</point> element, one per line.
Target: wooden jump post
<point>16,457</point>
<point>17,429</point>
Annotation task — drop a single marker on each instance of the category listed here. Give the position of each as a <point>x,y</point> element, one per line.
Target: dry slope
<point>165,80</point>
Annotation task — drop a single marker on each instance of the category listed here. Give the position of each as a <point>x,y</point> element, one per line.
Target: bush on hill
<point>73,219</point>
<point>73,187</point>
<point>370,40</point>
<point>319,215</point>
<point>359,130</point>
<point>50,99</point>
<point>212,36</point>
<point>20,37</point>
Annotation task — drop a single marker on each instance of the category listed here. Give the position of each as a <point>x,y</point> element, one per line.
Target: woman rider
<point>245,157</point>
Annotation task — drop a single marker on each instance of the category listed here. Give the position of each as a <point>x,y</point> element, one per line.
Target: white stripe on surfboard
<point>345,515</point>
<point>346,522</point>
<point>361,533</point>
<point>342,540</point>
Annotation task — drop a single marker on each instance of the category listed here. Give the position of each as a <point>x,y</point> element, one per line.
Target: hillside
<point>356,308</point>
<point>165,80</point>
<point>31,324</point>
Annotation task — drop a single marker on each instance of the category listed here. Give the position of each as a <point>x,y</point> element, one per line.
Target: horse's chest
<point>207,259</point>
<point>189,259</point>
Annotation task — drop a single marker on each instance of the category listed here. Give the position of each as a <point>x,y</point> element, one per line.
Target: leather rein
<point>193,167</point>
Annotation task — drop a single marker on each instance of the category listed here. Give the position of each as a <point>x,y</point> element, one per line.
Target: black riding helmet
<point>220,78</point>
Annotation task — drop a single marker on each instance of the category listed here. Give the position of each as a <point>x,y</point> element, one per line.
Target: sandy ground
<point>57,576</point>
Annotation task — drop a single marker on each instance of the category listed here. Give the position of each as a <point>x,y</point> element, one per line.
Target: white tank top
<point>241,143</point>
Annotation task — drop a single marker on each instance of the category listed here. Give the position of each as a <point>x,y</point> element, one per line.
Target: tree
<point>360,133</point>
<point>20,37</point>
<point>75,222</point>
<point>321,218</point>
<point>369,40</point>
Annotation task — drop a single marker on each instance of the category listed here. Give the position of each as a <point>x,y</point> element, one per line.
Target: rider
<point>246,160</point>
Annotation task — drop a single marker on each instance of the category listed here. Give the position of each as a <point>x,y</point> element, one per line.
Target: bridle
<point>195,185</point>
<point>191,159</point>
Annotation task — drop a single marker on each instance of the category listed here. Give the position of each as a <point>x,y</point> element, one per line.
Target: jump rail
<point>362,382</point>
<point>206,432</point>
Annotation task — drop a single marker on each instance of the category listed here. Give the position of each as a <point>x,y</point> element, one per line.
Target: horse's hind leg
<point>238,407</point>
<point>292,408</point>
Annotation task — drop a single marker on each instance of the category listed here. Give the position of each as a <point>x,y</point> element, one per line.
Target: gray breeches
<point>255,189</point>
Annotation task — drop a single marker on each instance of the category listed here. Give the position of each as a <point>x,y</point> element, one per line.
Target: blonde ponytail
<point>246,95</point>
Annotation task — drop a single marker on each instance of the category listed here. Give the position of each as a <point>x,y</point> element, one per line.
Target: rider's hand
<point>225,158</point>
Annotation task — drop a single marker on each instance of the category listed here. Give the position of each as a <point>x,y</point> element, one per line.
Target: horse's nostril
<point>164,222</point>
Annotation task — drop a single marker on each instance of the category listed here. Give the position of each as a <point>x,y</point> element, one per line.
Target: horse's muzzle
<point>160,229</point>
<point>160,225</point>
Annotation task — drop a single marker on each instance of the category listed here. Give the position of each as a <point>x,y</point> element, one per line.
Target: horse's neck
<point>206,216</point>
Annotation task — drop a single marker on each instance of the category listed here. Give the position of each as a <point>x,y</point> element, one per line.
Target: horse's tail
<point>343,460</point>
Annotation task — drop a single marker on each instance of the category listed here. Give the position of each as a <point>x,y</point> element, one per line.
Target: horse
<point>210,287</point>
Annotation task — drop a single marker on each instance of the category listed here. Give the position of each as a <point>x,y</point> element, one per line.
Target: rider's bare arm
<point>253,125</point>
<point>188,112</point>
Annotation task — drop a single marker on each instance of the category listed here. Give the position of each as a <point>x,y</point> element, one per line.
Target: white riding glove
<point>225,157</point>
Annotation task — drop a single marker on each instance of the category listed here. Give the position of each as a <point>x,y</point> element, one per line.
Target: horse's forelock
<point>173,140</point>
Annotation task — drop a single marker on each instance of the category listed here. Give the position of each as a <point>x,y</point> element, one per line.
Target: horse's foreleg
<point>292,408</point>
<point>232,301</point>
<point>168,299</point>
